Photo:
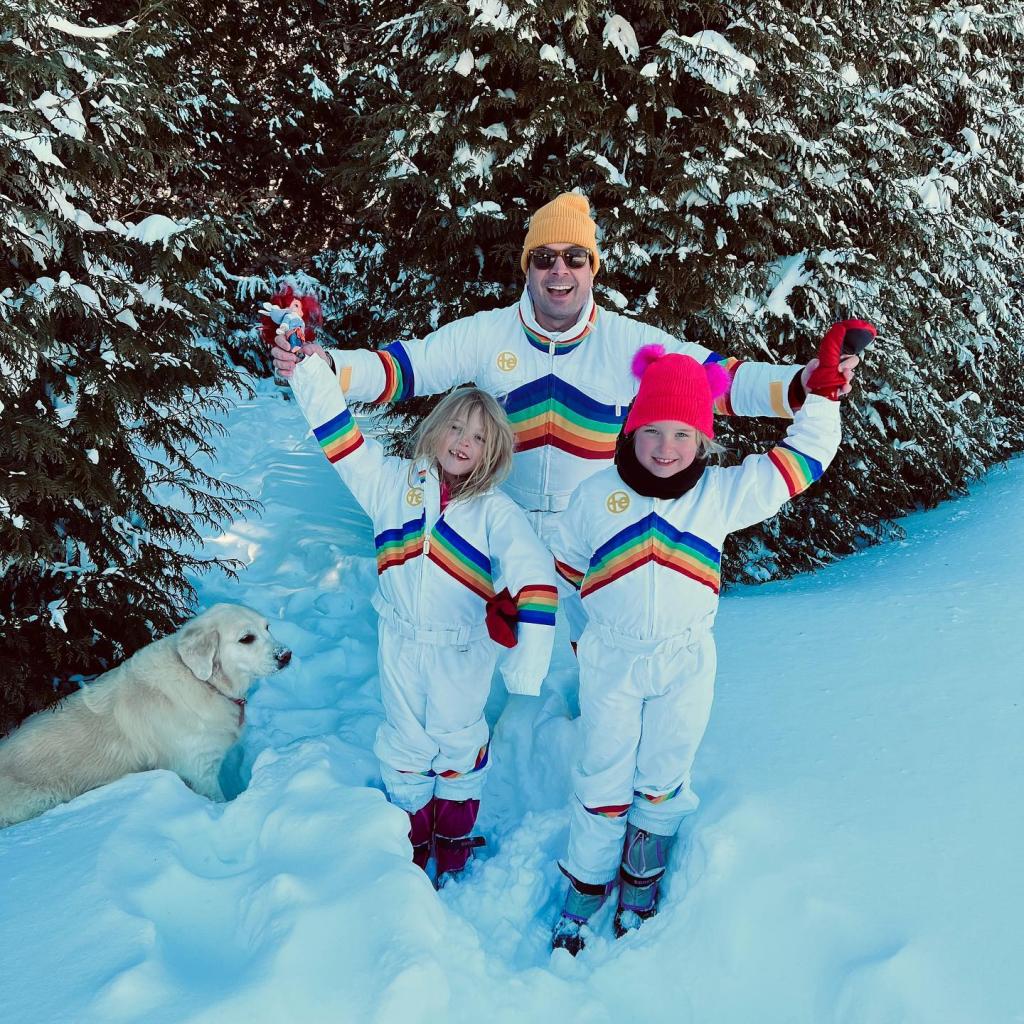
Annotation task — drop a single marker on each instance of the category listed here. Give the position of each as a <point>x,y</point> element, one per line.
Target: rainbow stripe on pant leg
<point>608,810</point>
<point>660,798</point>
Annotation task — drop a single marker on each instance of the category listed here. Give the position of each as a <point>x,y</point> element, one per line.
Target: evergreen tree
<point>265,86</point>
<point>758,169</point>
<point>110,386</point>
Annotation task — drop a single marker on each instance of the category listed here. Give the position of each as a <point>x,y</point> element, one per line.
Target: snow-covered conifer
<point>758,170</point>
<point>109,389</point>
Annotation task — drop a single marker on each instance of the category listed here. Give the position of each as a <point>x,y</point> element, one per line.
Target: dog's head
<point>232,642</point>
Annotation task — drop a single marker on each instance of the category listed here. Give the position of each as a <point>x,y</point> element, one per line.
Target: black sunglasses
<point>575,258</point>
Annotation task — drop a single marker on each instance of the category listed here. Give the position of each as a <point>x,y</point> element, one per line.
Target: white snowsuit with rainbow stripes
<point>566,394</point>
<point>648,570</point>
<point>436,571</point>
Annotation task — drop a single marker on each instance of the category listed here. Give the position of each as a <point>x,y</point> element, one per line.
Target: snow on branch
<point>709,56</point>
<point>619,33</point>
<point>83,32</point>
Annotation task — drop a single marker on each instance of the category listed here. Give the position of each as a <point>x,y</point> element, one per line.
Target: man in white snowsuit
<point>557,362</point>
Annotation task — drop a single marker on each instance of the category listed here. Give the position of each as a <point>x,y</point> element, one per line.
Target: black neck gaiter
<point>645,482</point>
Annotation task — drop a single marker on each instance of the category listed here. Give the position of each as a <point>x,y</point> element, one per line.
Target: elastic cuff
<point>586,888</point>
<point>523,685</point>
<point>655,823</point>
<point>796,396</point>
<point>640,881</point>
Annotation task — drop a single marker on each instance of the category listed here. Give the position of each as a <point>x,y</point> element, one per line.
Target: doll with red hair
<point>292,317</point>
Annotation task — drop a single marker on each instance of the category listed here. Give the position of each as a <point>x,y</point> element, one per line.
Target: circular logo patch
<point>414,496</point>
<point>507,361</point>
<point>617,501</point>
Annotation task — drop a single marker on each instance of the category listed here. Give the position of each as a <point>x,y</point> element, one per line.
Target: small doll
<point>290,316</point>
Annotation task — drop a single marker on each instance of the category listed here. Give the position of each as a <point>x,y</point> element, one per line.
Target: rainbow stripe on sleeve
<point>548,411</point>
<point>723,405</point>
<point>457,557</point>
<point>652,539</point>
<point>571,576</point>
<point>537,604</point>
<point>399,380</point>
<point>798,470</point>
<point>399,545</point>
<point>339,436</point>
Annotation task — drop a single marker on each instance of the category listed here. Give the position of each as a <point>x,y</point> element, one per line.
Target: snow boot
<point>582,901</point>
<point>421,833</point>
<point>644,856</point>
<point>453,821</point>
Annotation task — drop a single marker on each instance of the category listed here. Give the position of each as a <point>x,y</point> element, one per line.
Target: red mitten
<point>848,336</point>
<point>502,618</point>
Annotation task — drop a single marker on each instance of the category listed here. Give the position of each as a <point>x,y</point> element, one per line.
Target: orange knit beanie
<point>566,219</point>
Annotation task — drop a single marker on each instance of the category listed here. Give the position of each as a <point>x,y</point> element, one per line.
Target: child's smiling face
<point>462,446</point>
<point>666,447</point>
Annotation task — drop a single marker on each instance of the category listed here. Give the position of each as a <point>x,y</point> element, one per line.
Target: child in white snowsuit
<point>444,536</point>
<point>643,540</point>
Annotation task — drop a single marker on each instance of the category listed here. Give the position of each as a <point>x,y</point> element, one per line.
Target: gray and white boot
<point>644,857</point>
<point>582,901</point>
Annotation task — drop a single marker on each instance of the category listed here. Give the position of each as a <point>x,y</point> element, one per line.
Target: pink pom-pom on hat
<point>718,379</point>
<point>644,357</point>
<point>675,387</point>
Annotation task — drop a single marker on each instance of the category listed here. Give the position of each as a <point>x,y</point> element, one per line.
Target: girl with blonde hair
<point>443,536</point>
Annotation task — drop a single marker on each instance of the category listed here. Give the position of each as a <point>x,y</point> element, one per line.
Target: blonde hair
<point>707,446</point>
<point>499,441</point>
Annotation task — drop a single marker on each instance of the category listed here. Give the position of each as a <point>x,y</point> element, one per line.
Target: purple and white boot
<point>582,901</point>
<point>644,857</point>
<point>421,833</point>
<point>453,844</point>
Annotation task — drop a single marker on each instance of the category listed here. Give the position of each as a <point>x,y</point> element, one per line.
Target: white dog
<point>176,704</point>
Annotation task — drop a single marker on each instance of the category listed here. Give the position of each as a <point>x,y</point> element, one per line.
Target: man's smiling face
<point>559,293</point>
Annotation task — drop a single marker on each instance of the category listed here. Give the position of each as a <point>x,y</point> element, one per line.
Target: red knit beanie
<point>675,387</point>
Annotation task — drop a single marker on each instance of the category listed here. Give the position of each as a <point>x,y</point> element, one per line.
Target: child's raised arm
<point>359,461</point>
<point>762,484</point>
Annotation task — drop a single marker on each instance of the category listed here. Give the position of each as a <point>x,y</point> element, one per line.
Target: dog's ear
<point>197,647</point>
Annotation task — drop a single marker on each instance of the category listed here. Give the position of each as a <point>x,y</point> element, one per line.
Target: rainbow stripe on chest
<point>394,547</point>
<point>652,539</point>
<point>457,557</point>
<point>548,411</point>
<point>543,343</point>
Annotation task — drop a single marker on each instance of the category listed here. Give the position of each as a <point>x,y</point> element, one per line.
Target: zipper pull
<point>551,348</point>
<point>426,545</point>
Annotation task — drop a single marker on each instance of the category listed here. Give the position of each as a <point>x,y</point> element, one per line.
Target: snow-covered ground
<point>856,858</point>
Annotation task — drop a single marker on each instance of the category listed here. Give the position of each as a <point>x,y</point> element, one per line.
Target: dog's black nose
<point>283,657</point>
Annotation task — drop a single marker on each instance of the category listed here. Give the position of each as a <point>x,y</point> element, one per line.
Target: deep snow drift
<point>856,857</point>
